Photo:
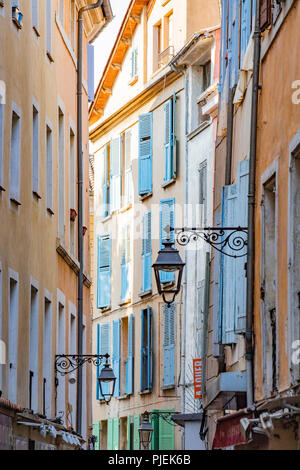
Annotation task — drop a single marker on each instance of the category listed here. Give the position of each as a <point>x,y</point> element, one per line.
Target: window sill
<point>133,80</point>
<point>72,262</point>
<point>146,392</point>
<point>36,195</point>
<point>125,208</point>
<point>17,24</point>
<point>168,183</point>
<point>145,294</point>
<point>125,302</point>
<point>48,54</point>
<point>123,397</point>
<point>15,201</point>
<point>50,211</point>
<point>36,32</point>
<point>199,129</point>
<point>105,309</point>
<point>167,387</point>
<point>142,197</point>
<point>2,188</point>
<point>108,217</point>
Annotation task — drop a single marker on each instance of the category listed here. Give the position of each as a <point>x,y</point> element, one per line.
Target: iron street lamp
<point>146,429</point>
<point>66,364</point>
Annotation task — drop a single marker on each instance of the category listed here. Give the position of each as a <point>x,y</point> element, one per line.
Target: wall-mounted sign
<point>197,368</point>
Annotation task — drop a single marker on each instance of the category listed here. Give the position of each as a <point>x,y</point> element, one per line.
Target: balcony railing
<point>165,56</point>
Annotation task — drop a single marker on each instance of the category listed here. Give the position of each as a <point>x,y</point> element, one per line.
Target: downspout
<point>251,207</point>
<point>80,207</point>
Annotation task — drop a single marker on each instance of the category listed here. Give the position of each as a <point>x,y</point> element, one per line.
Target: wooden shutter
<point>128,169</point>
<point>104,271</point>
<point>125,263</point>
<point>128,445</point>
<point>103,334</point>
<point>224,33</point>
<point>147,252</point>
<point>235,32</point>
<point>136,437</point>
<point>265,14</point>
<point>217,316</point>
<point>245,27</point>
<point>149,346</point>
<point>105,182</point>
<point>168,140</point>
<point>91,71</point>
<point>169,345</point>
<point>35,14</point>
<point>145,153</point>
<point>154,445</point>
<point>110,434</point>
<point>129,364</point>
<point>96,432</point>
<point>116,431</point>
<point>174,151</point>
<point>228,267</point>
<point>146,349</point>
<point>167,219</point>
<point>203,192</point>
<point>242,217</point>
<point>116,359</point>
<point>166,434</point>
<point>49,26</point>
<point>115,173</point>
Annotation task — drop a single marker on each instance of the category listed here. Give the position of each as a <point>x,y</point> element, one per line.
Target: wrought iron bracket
<point>230,241</point>
<point>165,415</point>
<point>66,364</point>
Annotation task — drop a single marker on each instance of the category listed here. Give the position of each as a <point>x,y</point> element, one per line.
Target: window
<point>13,315</point>
<point>49,29</point>
<point>167,221</point>
<point>203,193</point>
<point>146,349</point>
<point>169,31</point>
<point>47,358</point>
<point>134,63</point>
<point>35,16</point>
<point>115,174</point>
<point>169,346</point>
<point>116,358</point>
<point>35,151</point>
<point>1,144</point>
<point>72,350</point>
<point>61,12</point>
<point>157,45</point>
<point>97,433</point>
<point>147,253</point>
<point>104,271</point>
<point>103,347</point>
<point>170,140</point>
<point>145,153</point>
<point>127,167</point>
<point>61,174</point>
<point>2,345</point>
<point>73,23</point>
<point>49,169</point>
<point>125,263</point>
<point>113,429</point>
<point>206,81</point>
<point>72,193</point>
<point>15,155</point>
<point>133,438</point>
<point>163,433</point>
<point>106,189</point>
<point>33,348</point>
<point>91,72</point>
<point>129,375</point>
<point>61,349</point>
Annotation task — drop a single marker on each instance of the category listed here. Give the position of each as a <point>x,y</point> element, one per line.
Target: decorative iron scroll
<point>66,364</point>
<point>231,241</point>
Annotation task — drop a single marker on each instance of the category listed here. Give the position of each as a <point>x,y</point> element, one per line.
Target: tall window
<point>73,23</point>
<point>33,350</point>
<point>103,347</point>
<point>115,173</point>
<point>169,346</point>
<point>35,16</point>
<point>147,252</point>
<point>116,356</point>
<point>146,349</point>
<point>61,174</point>
<point>72,190</point>
<point>104,271</point>
<point>170,139</point>
<point>127,185</point>
<point>145,153</point>
<point>157,45</point>
<point>49,169</point>
<point>35,150</point>
<point>72,350</point>
<point>49,29</point>
<point>203,193</point>
<point>106,189</point>
<point>60,349</point>
<point>125,263</point>
<point>13,315</point>
<point>1,143</point>
<point>15,156</point>
<point>47,358</point>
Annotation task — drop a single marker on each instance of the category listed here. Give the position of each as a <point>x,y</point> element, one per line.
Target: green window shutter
<point>96,432</point>
<point>155,436</point>
<point>166,434</point>
<point>116,429</point>
<point>128,432</point>
<point>110,434</point>
<point>145,153</point>
<point>115,174</point>
<point>136,437</point>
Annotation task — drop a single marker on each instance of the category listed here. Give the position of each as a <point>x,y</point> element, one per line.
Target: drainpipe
<point>80,207</point>
<point>251,207</point>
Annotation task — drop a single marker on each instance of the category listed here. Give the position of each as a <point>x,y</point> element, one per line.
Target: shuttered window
<point>145,153</point>
<point>146,349</point>
<point>90,71</point>
<point>224,33</point>
<point>203,192</point>
<point>96,432</point>
<point>49,27</point>
<point>169,345</point>
<point>35,15</point>
<point>245,27</point>
<point>136,436</point>
<point>167,221</point>
<point>103,347</point>
<point>104,271</point>
<point>163,432</point>
<point>115,174</point>
<point>128,168</point>
<point>113,429</point>
<point>129,363</point>
<point>116,358</point>
<point>35,150</point>
<point>1,142</point>
<point>125,263</point>
<point>265,14</point>
<point>170,140</point>
<point>15,156</point>
<point>105,185</point>
<point>134,63</point>
<point>147,252</point>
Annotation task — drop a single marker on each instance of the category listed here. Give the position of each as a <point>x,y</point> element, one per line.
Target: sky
<point>104,43</point>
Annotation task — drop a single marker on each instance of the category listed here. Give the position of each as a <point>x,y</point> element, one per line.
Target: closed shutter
<point>228,267</point>
<point>129,368</point>
<point>128,446</point>
<point>167,221</point>
<point>96,432</point>
<point>217,312</point>
<point>116,360</point>
<point>265,14</point>
<point>103,333</point>
<point>145,153</point>
<point>35,14</point>
<point>168,140</point>
<point>149,342</point>
<point>128,169</point>
<point>224,32</point>
<point>104,271</point>
<point>115,173</point>
<point>245,27</point>
<point>116,430</point>
<point>136,437</point>
<point>242,217</point>
<point>133,59</point>
<point>154,445</point>
<point>146,349</point>
<point>235,40</point>
<point>166,434</point>
<point>147,252</point>
<point>110,434</point>
<point>91,71</point>
<point>169,345</point>
<point>203,193</point>
<point>106,201</point>
<point>125,263</point>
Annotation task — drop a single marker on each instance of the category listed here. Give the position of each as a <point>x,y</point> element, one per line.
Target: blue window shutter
<point>91,71</point>
<point>169,345</point>
<point>235,40</point>
<point>242,217</point>
<point>217,295</point>
<point>167,219</point>
<point>116,360</point>
<point>49,26</point>
<point>149,347</point>
<point>174,152</point>
<point>129,365</point>
<point>35,14</point>
<point>104,348</point>
<point>246,21</point>
<point>143,352</point>
<point>228,266</point>
<point>145,153</point>
<point>168,139</point>
<point>115,174</point>
<point>223,45</point>
<point>105,183</point>
<point>98,366</point>
<point>147,252</point>
<point>146,349</point>
<point>104,271</point>
<point>125,262</point>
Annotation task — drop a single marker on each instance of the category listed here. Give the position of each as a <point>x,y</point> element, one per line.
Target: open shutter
<point>110,433</point>
<point>35,14</point>
<point>125,256</point>
<point>128,446</point>
<point>147,252</point>
<point>154,445</point>
<point>104,348</point>
<point>168,140</point>
<point>174,151</point>
<point>105,182</point>
<point>96,432</point>
<point>104,271</point>
<point>242,217</point>
<point>265,14</point>
<point>129,368</point>
<point>149,348</point>
<point>143,351</point>
<point>169,345</point>
<point>91,71</point>
<point>167,219</point>
<point>224,32</point>
<point>128,168</point>
<point>49,26</point>
<point>217,317</point>
<point>116,355</point>
<point>116,427</point>
<point>245,27</point>
<point>136,437</point>
<point>115,173</point>
<point>145,153</point>
<point>235,40</point>
<point>98,366</point>
<point>166,434</point>
<point>229,215</point>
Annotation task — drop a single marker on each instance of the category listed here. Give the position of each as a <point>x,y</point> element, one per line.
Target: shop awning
<point>228,431</point>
